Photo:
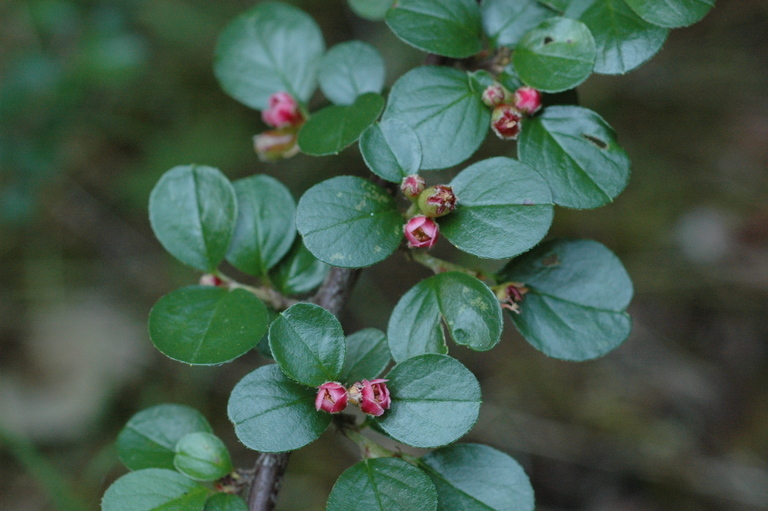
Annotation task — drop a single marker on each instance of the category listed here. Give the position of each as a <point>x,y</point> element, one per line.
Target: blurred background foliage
<point>98,98</point>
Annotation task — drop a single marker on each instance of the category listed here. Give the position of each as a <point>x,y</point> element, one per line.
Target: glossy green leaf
<point>206,325</point>
<point>272,413</point>
<point>577,153</point>
<point>149,438</point>
<point>445,27</point>
<point>383,484</point>
<point>202,456</point>
<point>671,13</point>
<point>154,489</point>
<point>349,222</point>
<point>557,55</point>
<point>505,208</point>
<point>265,226</point>
<point>307,342</point>
<point>391,149</point>
<point>335,127</point>
<point>467,307</point>
<point>374,10</point>
<point>575,309</point>
<point>444,109</point>
<point>225,502</point>
<point>476,477</point>
<point>558,5</point>
<point>349,70</point>
<point>271,48</point>
<point>192,210</point>
<point>506,21</point>
<point>367,356</point>
<point>299,272</point>
<point>435,401</point>
<point>623,40</point>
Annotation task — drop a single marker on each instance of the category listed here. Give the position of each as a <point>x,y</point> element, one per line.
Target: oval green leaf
<point>374,10</point>
<point>391,149</point>
<point>477,478</point>
<point>577,153</point>
<point>192,210</point>
<point>202,457</point>
<point>225,502</point>
<point>506,21</point>
<point>154,489</point>
<point>444,108</point>
<point>575,309</point>
<point>349,70</point>
<point>557,55</point>
<point>299,272</point>
<point>335,127</point>
<point>149,438</point>
<point>671,13</point>
<point>272,413</point>
<point>467,307</point>
<point>265,226</point>
<point>271,48</point>
<point>445,27</point>
<point>367,356</point>
<point>435,401</point>
<point>383,484</point>
<point>349,222</point>
<point>505,208</point>
<point>205,325</point>
<point>307,342</point>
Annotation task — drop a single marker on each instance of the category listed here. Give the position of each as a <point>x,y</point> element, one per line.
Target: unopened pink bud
<point>527,100</point>
<point>275,145</point>
<point>371,396</point>
<point>421,232</point>
<point>283,111</point>
<point>331,397</point>
<point>505,122</point>
<point>209,279</point>
<point>496,94</point>
<point>412,186</point>
<point>437,201</point>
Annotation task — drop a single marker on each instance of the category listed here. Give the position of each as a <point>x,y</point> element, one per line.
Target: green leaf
<point>192,210</point>
<point>154,489</point>
<point>383,484</point>
<point>391,149</point>
<point>349,70</point>
<point>671,13</point>
<point>335,127</point>
<point>506,21</point>
<point>558,5</point>
<point>466,306</point>
<point>205,325</point>
<point>374,10</point>
<point>579,291</point>
<point>307,342</point>
<point>435,401</point>
<point>444,109</point>
<point>623,39</point>
<point>445,27</point>
<point>557,55</point>
<point>367,356</point>
<point>577,153</point>
<point>149,438</point>
<point>202,456</point>
<point>299,272</point>
<point>349,222</point>
<point>271,48</point>
<point>265,226</point>
<point>505,208</point>
<point>477,478</point>
<point>272,413</point>
<point>225,502</point>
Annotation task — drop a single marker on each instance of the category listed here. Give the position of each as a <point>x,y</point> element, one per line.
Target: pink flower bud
<point>275,145</point>
<point>283,111</point>
<point>496,94</point>
<point>412,186</point>
<point>371,396</point>
<point>505,122</point>
<point>437,201</point>
<point>331,397</point>
<point>421,232</point>
<point>527,100</point>
<point>209,279</point>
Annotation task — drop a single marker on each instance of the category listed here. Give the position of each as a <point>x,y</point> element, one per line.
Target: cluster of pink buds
<point>509,108</point>
<point>284,114</point>
<point>371,396</point>
<point>421,231</point>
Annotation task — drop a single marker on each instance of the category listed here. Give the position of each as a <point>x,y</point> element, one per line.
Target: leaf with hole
<point>154,489</point>
<point>391,149</point>
<point>202,456</point>
<point>335,127</point>
<point>506,21</point>
<point>367,356</point>
<point>349,70</point>
<point>671,13</point>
